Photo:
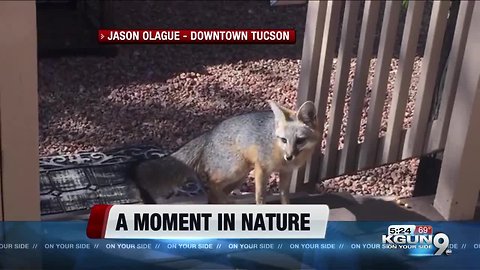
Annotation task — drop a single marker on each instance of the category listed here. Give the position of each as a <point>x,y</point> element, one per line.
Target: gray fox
<point>279,140</point>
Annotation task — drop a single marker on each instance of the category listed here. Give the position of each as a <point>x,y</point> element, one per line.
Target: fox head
<point>296,131</point>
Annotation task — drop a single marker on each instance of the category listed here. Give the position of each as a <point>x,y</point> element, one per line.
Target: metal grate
<point>71,184</point>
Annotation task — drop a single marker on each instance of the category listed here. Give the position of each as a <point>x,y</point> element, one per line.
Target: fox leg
<point>261,179</point>
<point>284,186</point>
<point>217,196</point>
<point>229,188</point>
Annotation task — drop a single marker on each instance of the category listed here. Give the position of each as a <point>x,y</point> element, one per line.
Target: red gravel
<point>168,94</point>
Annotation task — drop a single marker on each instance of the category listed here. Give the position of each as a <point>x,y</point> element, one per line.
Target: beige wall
<point>19,111</point>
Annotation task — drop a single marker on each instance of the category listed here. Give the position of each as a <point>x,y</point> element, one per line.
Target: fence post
<point>459,181</point>
<point>312,43</point>
<point>20,185</point>
<point>20,194</point>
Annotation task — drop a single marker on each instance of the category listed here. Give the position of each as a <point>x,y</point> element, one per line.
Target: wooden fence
<point>366,30</point>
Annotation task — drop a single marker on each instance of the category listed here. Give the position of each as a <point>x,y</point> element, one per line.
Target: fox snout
<point>290,153</point>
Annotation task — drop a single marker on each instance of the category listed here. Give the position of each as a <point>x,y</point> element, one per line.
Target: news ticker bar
<point>214,245</point>
<point>346,242</point>
<point>208,221</point>
<point>194,36</point>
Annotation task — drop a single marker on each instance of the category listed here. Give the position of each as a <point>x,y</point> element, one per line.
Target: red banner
<point>159,36</point>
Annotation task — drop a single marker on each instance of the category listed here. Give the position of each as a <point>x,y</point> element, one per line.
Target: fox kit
<point>158,178</point>
<point>279,140</point>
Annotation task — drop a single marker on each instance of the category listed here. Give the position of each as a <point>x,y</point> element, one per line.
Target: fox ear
<point>281,114</point>
<point>307,114</point>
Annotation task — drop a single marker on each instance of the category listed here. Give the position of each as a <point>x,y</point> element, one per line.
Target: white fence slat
<point>323,80</point>
<point>342,71</point>
<point>348,161</point>
<point>408,51</point>
<point>414,143</point>
<point>438,133</point>
<point>312,44</point>
<point>368,153</point>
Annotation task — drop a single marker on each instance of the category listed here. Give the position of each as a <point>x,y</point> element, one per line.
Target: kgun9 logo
<point>438,242</point>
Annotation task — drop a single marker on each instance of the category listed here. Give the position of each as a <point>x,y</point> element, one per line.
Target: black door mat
<point>71,184</point>
<point>69,28</point>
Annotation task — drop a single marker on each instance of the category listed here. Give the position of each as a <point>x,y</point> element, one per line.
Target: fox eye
<point>300,140</point>
<point>283,140</point>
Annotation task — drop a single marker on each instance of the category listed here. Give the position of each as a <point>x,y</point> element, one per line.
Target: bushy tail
<point>191,152</point>
<point>160,178</point>
<point>132,174</point>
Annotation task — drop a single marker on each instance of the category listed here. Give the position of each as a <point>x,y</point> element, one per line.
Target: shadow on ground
<point>363,209</point>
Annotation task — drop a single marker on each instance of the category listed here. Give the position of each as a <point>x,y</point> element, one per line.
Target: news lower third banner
<point>195,36</point>
<point>208,221</point>
<point>235,236</point>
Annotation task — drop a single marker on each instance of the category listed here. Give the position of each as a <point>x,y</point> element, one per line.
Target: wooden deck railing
<point>331,33</point>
